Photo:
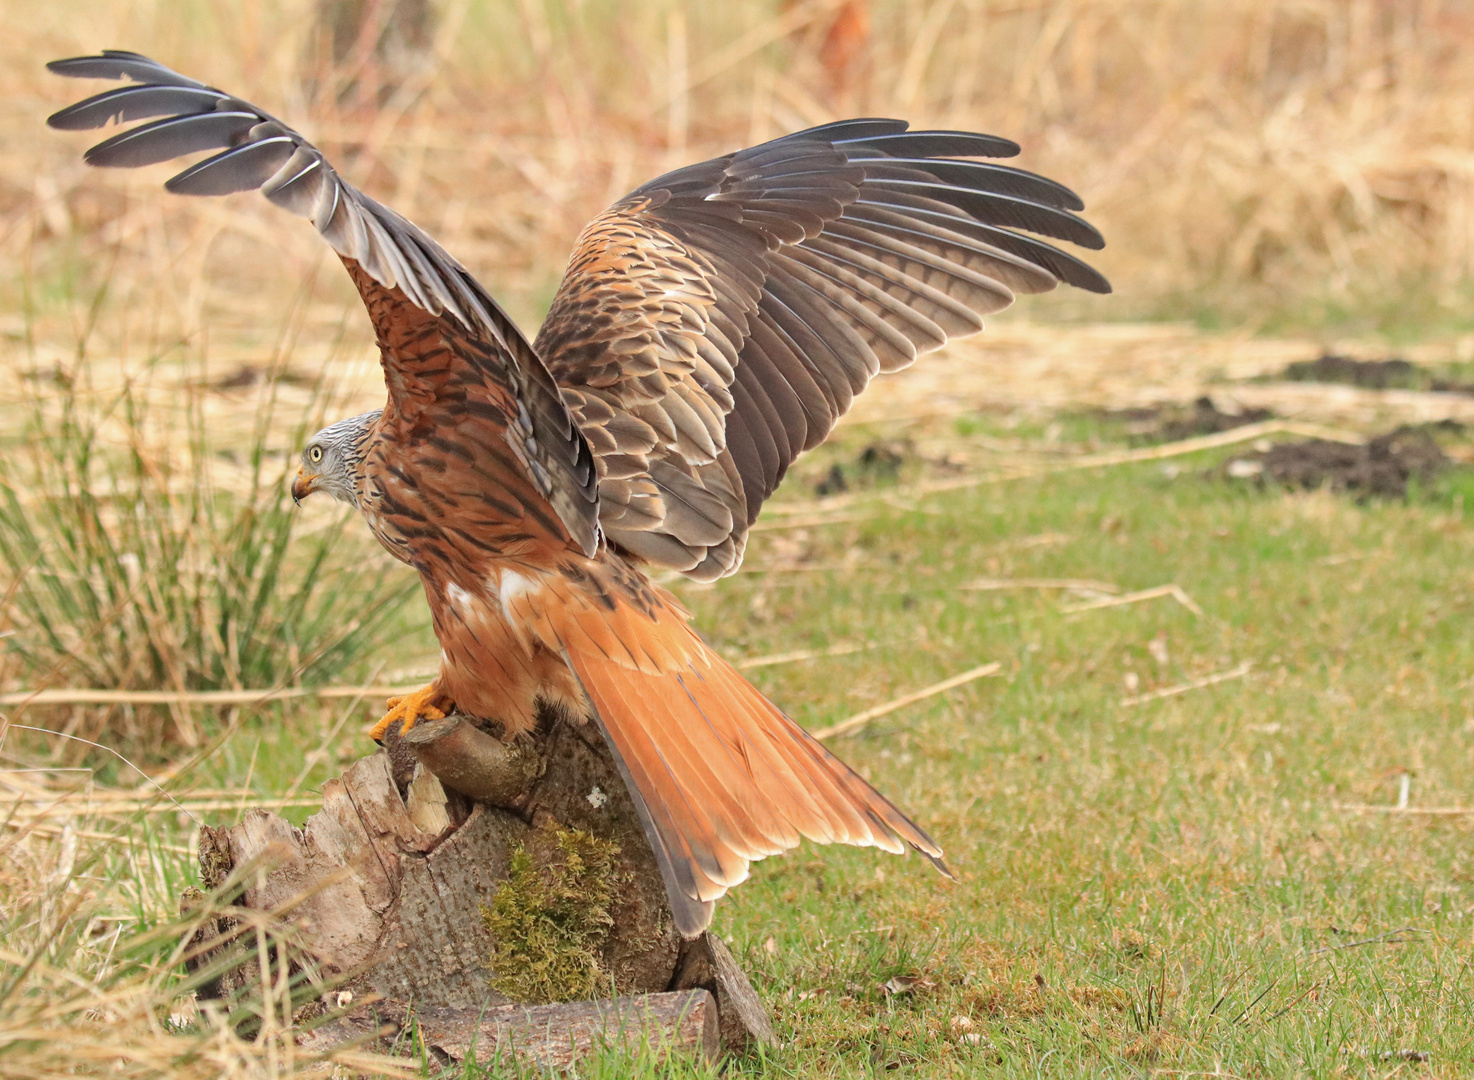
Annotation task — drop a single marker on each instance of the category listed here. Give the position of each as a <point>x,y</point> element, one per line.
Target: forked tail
<point>719,775</point>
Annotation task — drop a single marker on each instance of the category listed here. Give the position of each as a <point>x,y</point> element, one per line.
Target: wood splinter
<point>468,760</point>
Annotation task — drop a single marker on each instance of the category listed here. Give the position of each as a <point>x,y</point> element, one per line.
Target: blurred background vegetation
<point>1261,166</point>
<point>1260,163</point>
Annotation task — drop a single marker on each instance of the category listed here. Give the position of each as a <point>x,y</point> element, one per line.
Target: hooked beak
<point>301,486</point>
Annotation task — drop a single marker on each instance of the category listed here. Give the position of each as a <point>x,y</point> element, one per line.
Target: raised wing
<point>719,320</point>
<point>258,151</point>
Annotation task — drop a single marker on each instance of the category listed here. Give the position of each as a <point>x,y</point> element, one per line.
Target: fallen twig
<point>81,805</point>
<point>859,720</point>
<point>1079,584</point>
<point>80,696</point>
<point>30,826</point>
<point>1424,811</point>
<point>1176,592</point>
<point>835,509</point>
<point>1231,437</point>
<point>1392,937</point>
<point>844,648</point>
<point>1197,684</point>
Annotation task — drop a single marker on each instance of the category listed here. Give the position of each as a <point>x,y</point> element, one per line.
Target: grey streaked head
<point>330,461</point>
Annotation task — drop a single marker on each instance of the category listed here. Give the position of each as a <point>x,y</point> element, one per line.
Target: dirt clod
<point>1394,373</point>
<point>1169,423</point>
<point>1383,467</point>
<point>1204,418</point>
<point>878,463</point>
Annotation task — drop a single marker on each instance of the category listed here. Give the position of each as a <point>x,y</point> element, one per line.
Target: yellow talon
<point>426,703</point>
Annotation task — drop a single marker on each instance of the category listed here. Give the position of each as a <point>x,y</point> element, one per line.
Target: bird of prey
<point>712,325</point>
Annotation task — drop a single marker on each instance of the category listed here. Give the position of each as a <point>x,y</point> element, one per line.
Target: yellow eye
<point>315,454</point>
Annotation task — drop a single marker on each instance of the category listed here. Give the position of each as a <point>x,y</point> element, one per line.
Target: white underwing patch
<point>458,597</point>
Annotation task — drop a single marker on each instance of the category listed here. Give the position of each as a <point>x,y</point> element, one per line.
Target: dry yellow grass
<point>1245,157</point>
<point>91,949</point>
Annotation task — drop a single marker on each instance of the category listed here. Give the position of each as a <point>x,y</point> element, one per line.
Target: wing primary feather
<point>1060,263</point>
<point>241,168</point>
<point>839,132</point>
<point>975,176</point>
<point>934,143</point>
<point>149,144</point>
<point>875,264</point>
<point>997,209</point>
<point>134,103</point>
<point>119,64</point>
<point>844,290</point>
<point>943,251</point>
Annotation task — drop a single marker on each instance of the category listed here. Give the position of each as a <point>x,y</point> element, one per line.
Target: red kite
<point>712,325</point>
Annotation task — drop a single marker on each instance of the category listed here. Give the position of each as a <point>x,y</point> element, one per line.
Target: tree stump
<point>460,873</point>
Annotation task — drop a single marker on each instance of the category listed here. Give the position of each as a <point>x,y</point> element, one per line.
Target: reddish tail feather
<point>719,775</point>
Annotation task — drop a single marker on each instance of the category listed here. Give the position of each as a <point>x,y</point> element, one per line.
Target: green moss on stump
<point>550,919</point>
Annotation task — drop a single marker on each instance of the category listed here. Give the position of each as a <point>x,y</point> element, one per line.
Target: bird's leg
<point>426,703</point>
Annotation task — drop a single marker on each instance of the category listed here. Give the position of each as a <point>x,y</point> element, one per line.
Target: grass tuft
<point>91,985</point>
<point>140,558</point>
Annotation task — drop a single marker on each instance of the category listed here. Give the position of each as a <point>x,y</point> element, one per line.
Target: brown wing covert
<point>719,320</point>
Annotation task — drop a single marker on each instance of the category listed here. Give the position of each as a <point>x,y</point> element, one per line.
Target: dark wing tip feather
<point>120,64</point>
<point>134,103</point>
<point>932,143</point>
<point>171,137</point>
<point>841,131</point>
<point>241,168</point>
<point>979,176</point>
<point>941,865</point>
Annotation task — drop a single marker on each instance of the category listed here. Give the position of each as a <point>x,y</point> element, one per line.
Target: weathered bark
<point>744,1021</point>
<point>404,891</point>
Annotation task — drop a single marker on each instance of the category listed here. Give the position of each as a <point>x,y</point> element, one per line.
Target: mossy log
<point>682,1022</point>
<point>458,872</point>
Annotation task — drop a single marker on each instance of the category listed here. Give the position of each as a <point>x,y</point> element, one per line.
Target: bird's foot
<point>426,703</point>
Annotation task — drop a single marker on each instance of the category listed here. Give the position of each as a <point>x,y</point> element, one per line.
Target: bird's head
<point>330,461</point>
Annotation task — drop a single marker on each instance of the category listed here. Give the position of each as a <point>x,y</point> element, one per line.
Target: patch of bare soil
<point>1382,467</point>
<point>1169,423</point>
<point>1391,374</point>
<point>878,463</point>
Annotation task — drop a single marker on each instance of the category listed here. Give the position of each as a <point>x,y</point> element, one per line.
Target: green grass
<point>1164,886</point>
<point>1168,888</point>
